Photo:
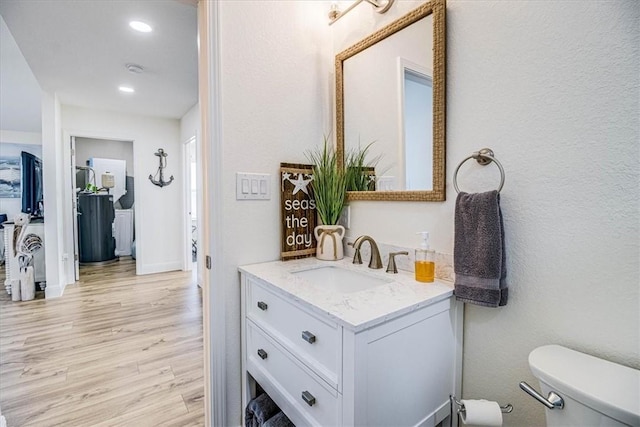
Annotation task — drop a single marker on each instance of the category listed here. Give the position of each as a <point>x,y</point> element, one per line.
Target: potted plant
<point>329,191</point>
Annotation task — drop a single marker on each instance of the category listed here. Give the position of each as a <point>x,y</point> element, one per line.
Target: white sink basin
<point>336,279</point>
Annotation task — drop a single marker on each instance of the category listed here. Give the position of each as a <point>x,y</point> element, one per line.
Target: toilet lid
<point>607,387</point>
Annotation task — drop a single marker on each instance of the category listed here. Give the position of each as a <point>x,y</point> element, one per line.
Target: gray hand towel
<point>279,420</point>
<point>259,410</point>
<point>479,252</point>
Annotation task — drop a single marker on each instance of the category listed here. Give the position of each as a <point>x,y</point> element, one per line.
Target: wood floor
<point>115,350</point>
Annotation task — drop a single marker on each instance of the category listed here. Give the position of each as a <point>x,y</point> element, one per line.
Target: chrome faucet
<point>374,261</point>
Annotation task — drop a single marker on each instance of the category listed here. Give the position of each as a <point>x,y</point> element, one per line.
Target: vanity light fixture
<point>380,6</point>
<point>143,27</point>
<point>126,89</point>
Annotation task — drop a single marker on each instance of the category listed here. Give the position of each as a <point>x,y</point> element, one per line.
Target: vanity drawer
<point>316,342</point>
<point>307,400</point>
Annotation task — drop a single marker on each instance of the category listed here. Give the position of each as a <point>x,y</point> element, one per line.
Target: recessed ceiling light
<point>143,27</point>
<point>126,89</point>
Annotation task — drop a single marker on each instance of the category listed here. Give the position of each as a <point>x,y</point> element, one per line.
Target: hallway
<point>116,350</point>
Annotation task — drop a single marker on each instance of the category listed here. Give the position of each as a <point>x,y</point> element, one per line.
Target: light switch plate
<point>253,186</point>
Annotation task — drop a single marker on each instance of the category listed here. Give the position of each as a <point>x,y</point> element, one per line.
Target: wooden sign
<point>298,211</point>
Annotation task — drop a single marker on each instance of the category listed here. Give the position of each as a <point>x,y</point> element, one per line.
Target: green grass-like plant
<point>360,173</point>
<point>329,183</point>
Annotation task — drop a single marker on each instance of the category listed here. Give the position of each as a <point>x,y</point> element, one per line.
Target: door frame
<point>403,66</point>
<point>211,224</point>
<point>74,211</point>
<point>69,195</point>
<point>187,263</point>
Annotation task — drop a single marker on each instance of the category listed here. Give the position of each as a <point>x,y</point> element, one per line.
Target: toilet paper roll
<point>481,413</point>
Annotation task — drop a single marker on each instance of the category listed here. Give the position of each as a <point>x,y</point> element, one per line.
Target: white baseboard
<point>53,291</point>
<point>158,268</point>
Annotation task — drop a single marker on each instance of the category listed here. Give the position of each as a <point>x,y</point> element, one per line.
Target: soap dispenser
<point>425,265</point>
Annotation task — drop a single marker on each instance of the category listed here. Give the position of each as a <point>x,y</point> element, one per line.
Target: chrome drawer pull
<point>308,337</point>
<point>308,397</point>
<point>262,305</point>
<point>263,354</point>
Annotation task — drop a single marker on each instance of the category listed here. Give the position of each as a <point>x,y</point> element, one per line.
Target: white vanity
<point>381,350</point>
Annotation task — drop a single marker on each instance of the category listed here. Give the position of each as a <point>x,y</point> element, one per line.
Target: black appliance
<point>95,228</point>
<point>32,195</point>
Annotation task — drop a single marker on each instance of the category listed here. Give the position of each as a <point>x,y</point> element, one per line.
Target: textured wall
<point>275,104</point>
<point>552,87</point>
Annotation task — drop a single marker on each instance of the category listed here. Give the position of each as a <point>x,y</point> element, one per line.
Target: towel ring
<point>483,157</point>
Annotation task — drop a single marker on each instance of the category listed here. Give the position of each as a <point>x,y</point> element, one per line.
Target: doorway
<point>416,127</point>
<point>103,201</point>
<point>191,204</point>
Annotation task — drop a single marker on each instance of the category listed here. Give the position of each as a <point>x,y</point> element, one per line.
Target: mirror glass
<point>390,98</point>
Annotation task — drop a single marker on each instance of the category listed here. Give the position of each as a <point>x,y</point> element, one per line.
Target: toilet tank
<point>596,392</point>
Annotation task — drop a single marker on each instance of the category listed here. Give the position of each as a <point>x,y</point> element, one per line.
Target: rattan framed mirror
<point>362,119</point>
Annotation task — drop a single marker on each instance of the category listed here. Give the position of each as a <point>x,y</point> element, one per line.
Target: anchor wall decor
<point>162,157</point>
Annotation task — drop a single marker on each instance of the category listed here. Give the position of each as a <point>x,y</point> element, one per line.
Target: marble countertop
<point>356,310</point>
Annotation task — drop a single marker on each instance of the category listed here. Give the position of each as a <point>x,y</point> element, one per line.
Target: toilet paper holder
<point>506,409</point>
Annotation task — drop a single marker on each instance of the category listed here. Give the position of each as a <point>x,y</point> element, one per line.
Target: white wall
<point>31,142</point>
<point>53,188</point>
<point>371,101</point>
<point>190,123</point>
<point>553,88</point>
<point>20,108</point>
<point>158,212</point>
<point>87,148</point>
<point>16,137</point>
<point>275,104</point>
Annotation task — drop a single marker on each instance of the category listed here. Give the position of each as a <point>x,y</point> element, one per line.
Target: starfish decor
<point>300,183</point>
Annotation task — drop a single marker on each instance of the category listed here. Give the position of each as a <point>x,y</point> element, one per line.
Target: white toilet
<point>595,392</point>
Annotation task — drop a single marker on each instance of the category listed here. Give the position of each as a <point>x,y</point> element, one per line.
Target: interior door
<point>74,209</point>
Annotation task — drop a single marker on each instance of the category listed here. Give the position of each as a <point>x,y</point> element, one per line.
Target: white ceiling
<point>78,49</point>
